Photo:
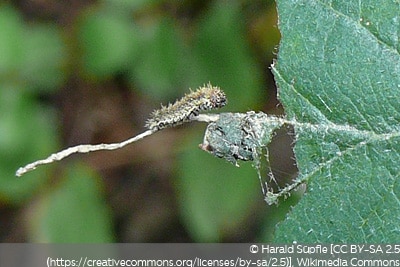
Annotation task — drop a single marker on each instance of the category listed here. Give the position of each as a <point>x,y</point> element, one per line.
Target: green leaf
<point>26,130</point>
<point>31,56</point>
<point>107,42</point>
<point>44,59</point>
<point>74,212</point>
<point>162,55</point>
<point>338,69</point>
<point>11,40</point>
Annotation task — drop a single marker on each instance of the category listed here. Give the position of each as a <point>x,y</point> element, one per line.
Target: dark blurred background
<point>75,72</point>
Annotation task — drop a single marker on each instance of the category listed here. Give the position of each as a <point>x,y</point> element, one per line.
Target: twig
<point>90,148</point>
<point>80,149</point>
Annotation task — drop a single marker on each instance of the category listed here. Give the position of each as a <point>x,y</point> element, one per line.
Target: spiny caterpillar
<point>184,110</point>
<point>205,98</point>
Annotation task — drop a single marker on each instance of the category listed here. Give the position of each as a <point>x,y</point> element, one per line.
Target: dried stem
<point>90,148</point>
<point>80,149</point>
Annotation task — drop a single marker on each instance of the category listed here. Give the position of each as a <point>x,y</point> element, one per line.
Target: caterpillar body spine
<point>207,97</point>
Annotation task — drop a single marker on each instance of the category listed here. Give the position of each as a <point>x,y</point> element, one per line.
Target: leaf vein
<point>357,23</point>
<point>376,138</point>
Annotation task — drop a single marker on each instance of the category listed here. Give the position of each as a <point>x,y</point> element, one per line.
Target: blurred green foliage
<point>107,41</point>
<point>25,130</point>
<point>83,217</point>
<point>215,197</point>
<point>162,51</point>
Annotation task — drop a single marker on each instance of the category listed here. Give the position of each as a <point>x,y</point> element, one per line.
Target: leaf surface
<point>338,69</point>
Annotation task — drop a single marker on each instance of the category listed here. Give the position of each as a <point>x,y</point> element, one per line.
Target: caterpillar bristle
<point>207,97</point>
